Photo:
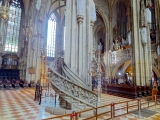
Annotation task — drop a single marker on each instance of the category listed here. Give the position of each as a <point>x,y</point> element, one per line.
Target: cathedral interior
<point>79,59</point>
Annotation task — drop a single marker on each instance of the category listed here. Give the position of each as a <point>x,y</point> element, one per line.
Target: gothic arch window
<point>12,35</point>
<point>51,37</point>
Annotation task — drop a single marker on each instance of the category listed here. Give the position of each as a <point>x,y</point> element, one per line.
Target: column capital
<point>80,18</point>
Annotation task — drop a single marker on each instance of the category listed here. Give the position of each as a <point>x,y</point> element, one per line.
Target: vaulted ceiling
<point>57,6</point>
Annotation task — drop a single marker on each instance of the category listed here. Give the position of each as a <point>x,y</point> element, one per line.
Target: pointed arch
<point>51,36</point>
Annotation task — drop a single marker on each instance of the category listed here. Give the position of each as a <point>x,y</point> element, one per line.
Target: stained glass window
<point>51,37</point>
<point>13,27</point>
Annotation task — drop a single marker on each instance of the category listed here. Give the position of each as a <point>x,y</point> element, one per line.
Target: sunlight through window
<point>51,37</point>
<point>13,27</point>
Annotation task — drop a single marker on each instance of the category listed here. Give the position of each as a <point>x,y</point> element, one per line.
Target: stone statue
<point>100,46</point>
<point>144,35</point>
<point>92,11</point>
<point>129,37</point>
<point>149,15</point>
<point>80,7</point>
<point>143,14</point>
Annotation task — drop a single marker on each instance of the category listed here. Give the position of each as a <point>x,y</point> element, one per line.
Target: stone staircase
<point>72,90</point>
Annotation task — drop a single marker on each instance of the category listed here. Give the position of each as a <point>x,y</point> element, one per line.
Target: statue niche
<point>101,43</point>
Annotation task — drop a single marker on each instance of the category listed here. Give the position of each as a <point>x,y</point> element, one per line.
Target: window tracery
<point>51,37</point>
<point>12,36</point>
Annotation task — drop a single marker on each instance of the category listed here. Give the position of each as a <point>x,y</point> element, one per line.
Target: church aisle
<point>19,104</point>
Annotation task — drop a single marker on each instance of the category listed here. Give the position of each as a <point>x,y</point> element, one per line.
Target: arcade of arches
<point>116,41</point>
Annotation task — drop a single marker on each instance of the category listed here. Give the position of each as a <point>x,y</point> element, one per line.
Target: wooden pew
<point>15,83</point>
<point>7,83</point>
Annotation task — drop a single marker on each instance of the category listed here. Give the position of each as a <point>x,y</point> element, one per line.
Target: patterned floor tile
<point>20,105</point>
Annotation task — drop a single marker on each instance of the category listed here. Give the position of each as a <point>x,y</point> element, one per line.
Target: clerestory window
<point>13,26</point>
<point>51,37</point>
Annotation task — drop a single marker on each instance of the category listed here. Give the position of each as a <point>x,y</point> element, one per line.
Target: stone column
<point>149,62</point>
<point>80,40</point>
<point>91,37</point>
<point>144,82</point>
<point>135,41</point>
<point>28,61</point>
<point>68,22</point>
<point>99,77</point>
<point>38,59</point>
<point>88,59</point>
<point>33,64</point>
<point>91,51</point>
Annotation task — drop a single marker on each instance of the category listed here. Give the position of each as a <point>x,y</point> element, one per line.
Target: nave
<point>19,104</point>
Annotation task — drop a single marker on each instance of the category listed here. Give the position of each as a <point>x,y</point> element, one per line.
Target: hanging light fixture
<point>4,9</point>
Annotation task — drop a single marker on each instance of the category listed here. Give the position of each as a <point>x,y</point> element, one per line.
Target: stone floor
<point>19,104</point>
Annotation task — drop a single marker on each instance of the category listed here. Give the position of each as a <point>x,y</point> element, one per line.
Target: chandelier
<point>4,10</point>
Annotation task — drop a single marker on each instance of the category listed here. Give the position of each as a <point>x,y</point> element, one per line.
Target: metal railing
<point>129,106</point>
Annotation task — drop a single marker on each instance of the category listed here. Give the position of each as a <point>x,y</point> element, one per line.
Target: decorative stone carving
<point>80,7</point>
<point>73,90</point>
<point>93,68</point>
<point>116,56</point>
<point>154,59</point>
<point>32,70</point>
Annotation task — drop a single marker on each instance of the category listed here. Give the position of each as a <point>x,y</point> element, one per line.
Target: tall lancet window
<point>13,26</point>
<point>51,37</point>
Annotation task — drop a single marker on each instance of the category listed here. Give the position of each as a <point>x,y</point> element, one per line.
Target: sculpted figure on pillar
<point>80,7</point>
<point>149,15</point>
<point>92,11</point>
<point>143,14</point>
<point>129,37</point>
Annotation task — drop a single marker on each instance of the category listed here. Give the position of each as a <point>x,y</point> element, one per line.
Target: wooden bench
<point>120,89</point>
